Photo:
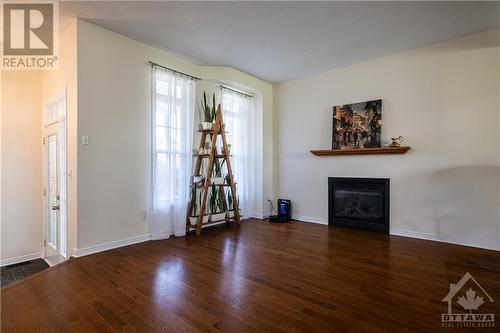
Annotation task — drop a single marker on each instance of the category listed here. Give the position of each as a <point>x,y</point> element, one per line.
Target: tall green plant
<point>229,200</point>
<point>213,107</point>
<point>218,166</point>
<point>220,202</point>
<point>207,207</point>
<point>216,200</point>
<point>194,201</point>
<point>208,116</point>
<point>207,112</point>
<point>213,200</point>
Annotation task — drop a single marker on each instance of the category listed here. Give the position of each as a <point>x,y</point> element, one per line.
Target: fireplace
<point>359,203</point>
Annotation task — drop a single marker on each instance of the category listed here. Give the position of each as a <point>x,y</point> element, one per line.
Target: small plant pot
<point>197,179</point>
<point>203,151</point>
<point>204,126</point>
<point>218,217</point>
<point>193,220</point>
<point>230,213</point>
<point>206,219</point>
<point>217,180</point>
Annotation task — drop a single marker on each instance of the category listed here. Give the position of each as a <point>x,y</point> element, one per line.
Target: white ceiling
<point>278,41</point>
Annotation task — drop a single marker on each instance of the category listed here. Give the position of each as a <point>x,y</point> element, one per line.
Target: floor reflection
<point>167,277</point>
<point>233,261</point>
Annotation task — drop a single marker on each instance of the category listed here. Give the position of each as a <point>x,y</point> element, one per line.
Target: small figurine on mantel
<point>396,142</point>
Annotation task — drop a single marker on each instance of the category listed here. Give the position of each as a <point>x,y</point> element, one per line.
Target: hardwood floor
<point>260,277</point>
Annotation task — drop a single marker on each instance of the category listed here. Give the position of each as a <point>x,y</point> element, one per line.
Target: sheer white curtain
<point>237,110</point>
<point>173,104</point>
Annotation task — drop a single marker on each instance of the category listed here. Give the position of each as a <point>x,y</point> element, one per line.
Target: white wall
<point>21,157</point>
<point>53,84</point>
<point>114,111</point>
<point>444,99</point>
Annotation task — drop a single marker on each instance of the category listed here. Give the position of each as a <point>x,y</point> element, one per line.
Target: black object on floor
<point>284,211</point>
<point>16,272</point>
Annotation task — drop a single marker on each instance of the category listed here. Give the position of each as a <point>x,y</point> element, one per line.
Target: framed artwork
<point>357,125</point>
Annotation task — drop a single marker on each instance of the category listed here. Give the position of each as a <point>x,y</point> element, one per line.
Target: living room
<point>255,166</point>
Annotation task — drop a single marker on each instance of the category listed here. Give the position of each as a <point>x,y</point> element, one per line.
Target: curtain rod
<point>173,70</point>
<point>235,91</point>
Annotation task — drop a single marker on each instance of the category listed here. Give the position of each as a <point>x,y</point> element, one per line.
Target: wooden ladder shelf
<point>213,159</point>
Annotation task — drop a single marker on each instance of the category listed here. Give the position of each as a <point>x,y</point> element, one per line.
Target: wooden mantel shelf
<point>361,151</point>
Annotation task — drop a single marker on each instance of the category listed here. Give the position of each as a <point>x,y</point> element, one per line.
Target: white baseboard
<point>16,260</point>
<point>415,234</point>
<point>400,232</point>
<point>436,238</point>
<point>258,215</point>
<point>109,245</point>
<point>310,219</point>
<point>161,235</point>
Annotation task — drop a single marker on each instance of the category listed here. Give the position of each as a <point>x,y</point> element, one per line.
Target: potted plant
<point>211,201</point>
<point>221,206</point>
<point>216,205</point>
<point>230,212</point>
<point>217,177</point>
<point>207,114</point>
<point>194,219</point>
<point>206,216</point>
<point>197,179</point>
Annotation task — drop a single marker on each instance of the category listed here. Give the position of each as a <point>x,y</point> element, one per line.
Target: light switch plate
<point>85,140</point>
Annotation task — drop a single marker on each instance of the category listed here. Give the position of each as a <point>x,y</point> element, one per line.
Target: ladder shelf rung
<point>211,132</point>
<point>201,186</point>
<point>216,156</point>
<point>231,219</point>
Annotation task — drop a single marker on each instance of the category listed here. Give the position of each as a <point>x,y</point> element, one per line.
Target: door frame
<point>62,152</point>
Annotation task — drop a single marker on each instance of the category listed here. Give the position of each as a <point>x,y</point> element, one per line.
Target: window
<point>169,134</point>
<point>237,112</point>
<point>173,109</point>
<point>54,112</point>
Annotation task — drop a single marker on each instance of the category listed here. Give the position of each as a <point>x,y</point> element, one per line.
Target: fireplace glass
<point>359,205</point>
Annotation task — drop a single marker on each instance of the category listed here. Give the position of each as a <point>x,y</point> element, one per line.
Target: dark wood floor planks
<point>260,277</point>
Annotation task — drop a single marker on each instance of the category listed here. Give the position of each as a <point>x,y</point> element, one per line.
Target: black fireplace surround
<point>359,203</point>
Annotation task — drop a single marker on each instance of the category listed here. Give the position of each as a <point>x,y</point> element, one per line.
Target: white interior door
<point>52,233</point>
<point>55,235</point>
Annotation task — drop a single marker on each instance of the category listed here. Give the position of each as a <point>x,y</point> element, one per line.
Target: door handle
<point>55,207</point>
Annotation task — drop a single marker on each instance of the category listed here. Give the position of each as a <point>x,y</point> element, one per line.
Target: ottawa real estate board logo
<point>29,35</point>
<point>469,296</point>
